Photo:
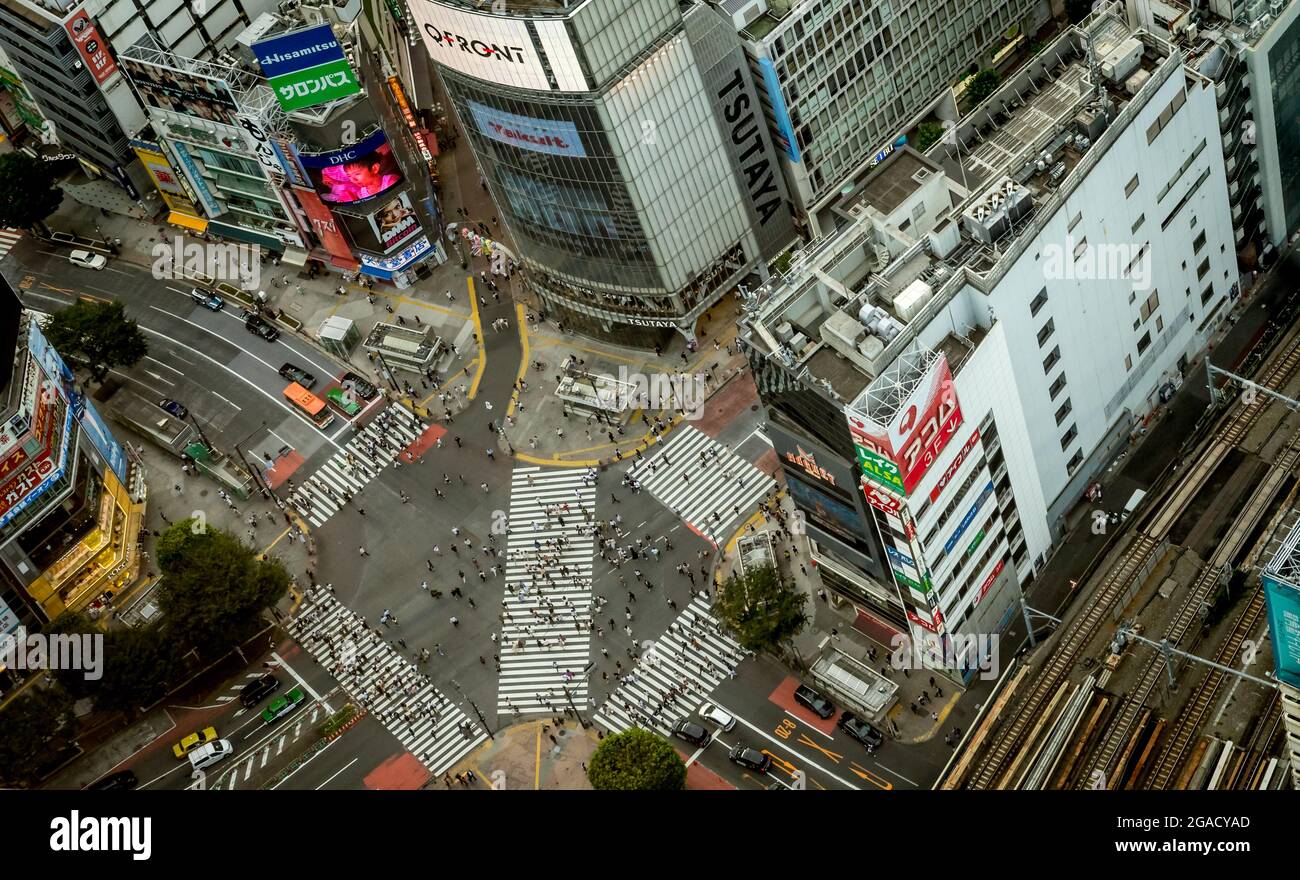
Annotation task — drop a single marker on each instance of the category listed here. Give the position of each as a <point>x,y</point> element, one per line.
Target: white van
<point>206,755</point>
<point>87,260</point>
<point>1133,502</point>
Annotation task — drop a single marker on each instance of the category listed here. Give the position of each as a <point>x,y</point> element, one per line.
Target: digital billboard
<point>899,454</point>
<point>554,136</point>
<point>487,47</point>
<point>385,267</point>
<point>91,46</point>
<point>306,67</point>
<point>359,172</point>
<point>395,223</point>
<point>831,515</point>
<point>784,128</point>
<point>1283,602</point>
<point>180,92</point>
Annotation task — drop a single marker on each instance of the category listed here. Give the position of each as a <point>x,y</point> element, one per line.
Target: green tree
<point>139,666</point>
<point>99,335</point>
<point>636,760</point>
<point>38,727</point>
<point>27,192</point>
<point>762,610</point>
<point>215,589</point>
<point>926,135</point>
<point>984,84</point>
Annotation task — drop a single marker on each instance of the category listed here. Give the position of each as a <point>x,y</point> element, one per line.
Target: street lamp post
<point>477,711</point>
<point>204,437</point>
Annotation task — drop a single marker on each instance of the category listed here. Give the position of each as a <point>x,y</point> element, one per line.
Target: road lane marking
<point>150,357</point>
<point>867,775</point>
<point>834,756</point>
<point>336,773</point>
<point>302,681</point>
<point>764,734</point>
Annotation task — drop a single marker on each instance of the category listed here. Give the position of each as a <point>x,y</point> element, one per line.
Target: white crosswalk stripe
<point>686,663</point>
<point>8,238</point>
<point>699,479</point>
<point>349,470</point>
<point>425,722</point>
<point>548,567</point>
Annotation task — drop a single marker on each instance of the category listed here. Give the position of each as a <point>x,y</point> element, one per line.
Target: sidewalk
<point>536,755</point>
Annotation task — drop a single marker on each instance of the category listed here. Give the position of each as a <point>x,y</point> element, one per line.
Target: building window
<point>1075,221</point>
<point>1131,186</point>
<point>1038,302</point>
<point>1203,269</point>
<point>1199,242</point>
<point>1160,323</point>
<point>1144,342</point>
<point>1207,294</point>
<point>1069,437</point>
<point>1075,460</point>
<point>1046,333</point>
<point>1137,224</point>
<point>1151,304</point>
<point>1057,386</point>
<point>1128,362</point>
<point>1063,411</point>
<point>1081,247</point>
<point>1051,359</point>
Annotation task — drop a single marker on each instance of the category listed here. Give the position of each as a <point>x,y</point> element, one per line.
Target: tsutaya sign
<point>747,131</point>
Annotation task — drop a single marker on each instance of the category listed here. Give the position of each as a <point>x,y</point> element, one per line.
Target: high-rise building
<point>993,323</point>
<point>71,496</point>
<point>624,144</point>
<point>843,79</point>
<point>1280,581</point>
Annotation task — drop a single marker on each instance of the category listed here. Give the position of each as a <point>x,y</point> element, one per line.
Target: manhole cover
<point>754,408</point>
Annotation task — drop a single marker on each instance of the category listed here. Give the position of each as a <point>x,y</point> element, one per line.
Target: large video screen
<point>182,92</point>
<point>390,227</point>
<point>360,172</point>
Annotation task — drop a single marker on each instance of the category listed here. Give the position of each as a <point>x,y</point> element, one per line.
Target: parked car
<point>282,706</point>
<point>209,301</point>
<point>173,408</point>
<point>712,713</point>
<point>363,389</point>
<point>254,693</point>
<point>691,732</point>
<point>752,758</point>
<point>861,731</point>
<point>297,374</point>
<point>810,699</point>
<point>205,756</point>
<point>87,260</point>
<point>255,325</point>
<point>114,782</point>
<point>194,740</point>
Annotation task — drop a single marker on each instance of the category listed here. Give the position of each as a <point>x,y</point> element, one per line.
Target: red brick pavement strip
<point>769,463</point>
<point>424,442</point>
<point>402,772</point>
<point>285,465</point>
<point>701,778</point>
<point>727,403</point>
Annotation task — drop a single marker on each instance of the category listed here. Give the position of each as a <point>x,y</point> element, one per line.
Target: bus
<point>309,405</point>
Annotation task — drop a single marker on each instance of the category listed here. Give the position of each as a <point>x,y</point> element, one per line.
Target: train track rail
<point>1014,736</point>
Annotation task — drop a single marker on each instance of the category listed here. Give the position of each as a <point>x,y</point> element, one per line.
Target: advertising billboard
<point>487,47</point>
<point>968,518</point>
<point>554,136</point>
<point>306,67</point>
<point>1283,602</point>
<point>954,467</point>
<point>395,223</point>
<point>206,199</point>
<point>413,124</point>
<point>898,455</point>
<point>566,207</point>
<point>830,514</point>
<point>91,46</point>
<point>104,441</point>
<point>362,171</point>
<point>384,267</point>
<point>181,92</point>
<point>324,225</point>
<point>169,184</point>
<point>811,461</point>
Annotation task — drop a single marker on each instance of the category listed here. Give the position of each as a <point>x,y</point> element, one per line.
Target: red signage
<point>928,430</point>
<point>880,499</point>
<point>22,485</point>
<point>921,621</point>
<point>94,51</point>
<point>323,225</point>
<point>952,468</point>
<point>988,581</point>
<point>12,463</point>
<point>808,462</point>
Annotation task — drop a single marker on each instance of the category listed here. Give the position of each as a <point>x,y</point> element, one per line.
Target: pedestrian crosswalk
<point>380,679</point>
<point>8,238</point>
<point>545,634</point>
<point>707,485</point>
<point>349,470</point>
<point>673,676</point>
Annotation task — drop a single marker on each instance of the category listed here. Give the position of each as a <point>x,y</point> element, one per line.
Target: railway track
<point>1255,753</point>
<point>1013,735</point>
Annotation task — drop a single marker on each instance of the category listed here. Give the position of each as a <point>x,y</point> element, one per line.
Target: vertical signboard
<point>785,138</point>
<point>91,46</point>
<point>306,67</point>
<point>1284,626</point>
<point>324,225</point>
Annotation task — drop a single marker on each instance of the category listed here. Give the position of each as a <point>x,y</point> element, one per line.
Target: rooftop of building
<point>1197,28</point>
<point>921,227</point>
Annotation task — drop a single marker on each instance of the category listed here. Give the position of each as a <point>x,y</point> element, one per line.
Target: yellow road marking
<point>521,321</point>
<point>482,341</point>
<point>537,766</point>
<point>805,741</point>
<point>867,776</point>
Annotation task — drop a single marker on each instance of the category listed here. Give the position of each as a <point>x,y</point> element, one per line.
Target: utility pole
<point>204,437</point>
<point>477,711</point>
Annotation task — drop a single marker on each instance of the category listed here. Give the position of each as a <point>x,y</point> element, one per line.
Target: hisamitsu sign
<point>306,67</point>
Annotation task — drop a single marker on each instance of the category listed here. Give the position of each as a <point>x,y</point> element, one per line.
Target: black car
<point>359,386</point>
<point>255,325</point>
<point>298,374</point>
<point>114,782</point>
<point>810,699</point>
<point>752,758</point>
<point>254,693</point>
<point>861,731</point>
<point>691,732</point>
<point>173,407</point>
<point>209,301</point>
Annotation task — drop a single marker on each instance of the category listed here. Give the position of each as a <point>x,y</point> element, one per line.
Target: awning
<point>294,256</point>
<point>198,224</point>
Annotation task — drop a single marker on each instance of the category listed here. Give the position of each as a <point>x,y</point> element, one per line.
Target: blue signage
<point>348,154</point>
<point>899,558</point>
<point>784,128</point>
<point>104,441</point>
<point>968,518</point>
<point>1284,627</point>
<point>553,136</point>
<point>299,50</point>
<point>384,267</point>
<point>196,179</point>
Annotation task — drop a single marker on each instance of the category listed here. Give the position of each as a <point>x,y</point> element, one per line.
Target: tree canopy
<point>97,334</point>
<point>761,609</point>
<point>214,589</point>
<point>984,84</point>
<point>27,191</point>
<point>926,135</point>
<point>636,760</point>
<point>38,726</point>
